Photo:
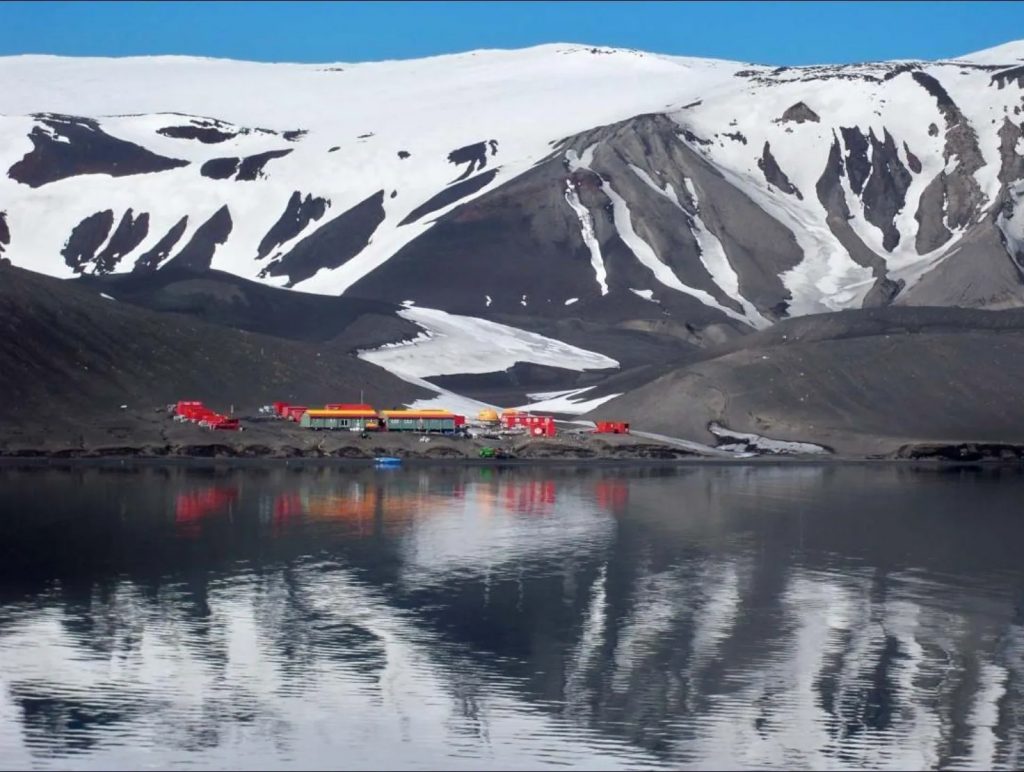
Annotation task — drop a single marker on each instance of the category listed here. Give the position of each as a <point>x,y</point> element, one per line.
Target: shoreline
<point>152,438</point>
<point>121,461</point>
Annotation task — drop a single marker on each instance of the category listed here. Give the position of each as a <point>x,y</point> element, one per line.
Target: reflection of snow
<point>403,697</point>
<point>578,696</point>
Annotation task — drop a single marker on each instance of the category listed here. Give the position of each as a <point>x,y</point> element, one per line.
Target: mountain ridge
<point>613,197</point>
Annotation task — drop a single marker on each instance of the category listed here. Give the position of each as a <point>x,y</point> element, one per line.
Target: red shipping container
<point>611,427</point>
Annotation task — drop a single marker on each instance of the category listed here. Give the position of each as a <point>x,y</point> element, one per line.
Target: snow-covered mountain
<point>556,182</point>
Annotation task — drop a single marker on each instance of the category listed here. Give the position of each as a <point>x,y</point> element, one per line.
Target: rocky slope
<point>866,382</point>
<point>70,358</point>
<point>561,220</point>
<point>627,186</point>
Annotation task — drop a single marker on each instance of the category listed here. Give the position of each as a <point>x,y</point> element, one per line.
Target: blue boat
<point>388,461</point>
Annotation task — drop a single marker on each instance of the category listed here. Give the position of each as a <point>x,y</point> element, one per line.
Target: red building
<point>535,425</point>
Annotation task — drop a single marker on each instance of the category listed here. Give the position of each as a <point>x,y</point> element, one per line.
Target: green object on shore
<point>494,453</point>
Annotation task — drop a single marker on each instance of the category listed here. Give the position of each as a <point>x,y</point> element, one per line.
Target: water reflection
<point>799,616</point>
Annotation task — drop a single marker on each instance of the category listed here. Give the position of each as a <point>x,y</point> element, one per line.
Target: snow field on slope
<point>827,279</point>
<point>513,98</point>
<point>456,101</point>
<point>453,344</point>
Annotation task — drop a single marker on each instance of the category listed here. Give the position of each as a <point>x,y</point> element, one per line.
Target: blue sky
<point>763,32</point>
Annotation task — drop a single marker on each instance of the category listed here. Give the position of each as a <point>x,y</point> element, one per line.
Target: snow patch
<point>741,440</point>
<point>453,344</point>
<point>589,237</point>
<point>105,296</point>
<point>645,294</point>
<point>570,301</point>
<point>565,401</point>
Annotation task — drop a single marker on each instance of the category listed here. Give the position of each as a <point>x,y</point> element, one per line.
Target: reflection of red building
<point>193,506</point>
<point>365,508</point>
<point>612,495</point>
<point>287,507</point>
<point>530,496</point>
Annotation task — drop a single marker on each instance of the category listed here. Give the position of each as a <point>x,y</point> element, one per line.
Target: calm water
<point>826,617</point>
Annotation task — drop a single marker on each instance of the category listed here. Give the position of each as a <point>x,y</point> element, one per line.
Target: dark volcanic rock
<point>691,137</point>
<point>832,198</point>
<point>5,232</point>
<point>86,238</point>
<point>967,451</point>
<point>251,166</point>
<point>332,244</point>
<point>403,154</point>
<point>773,174</point>
<point>248,169</point>
<point>932,232</point>
<point>913,162</point>
<point>219,168</point>
<point>1012,75</point>
<point>1011,163</point>
<point>858,167</point>
<point>129,234</point>
<point>954,199</point>
<point>524,238</point>
<point>298,213</point>
<point>198,253</point>
<point>799,113</point>
<point>450,195</point>
<point>151,259</point>
<point>208,135</point>
<point>936,89</point>
<point>295,135</point>
<point>474,155</point>
<point>883,292</point>
<point>82,148</point>
<point>885,192</point>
